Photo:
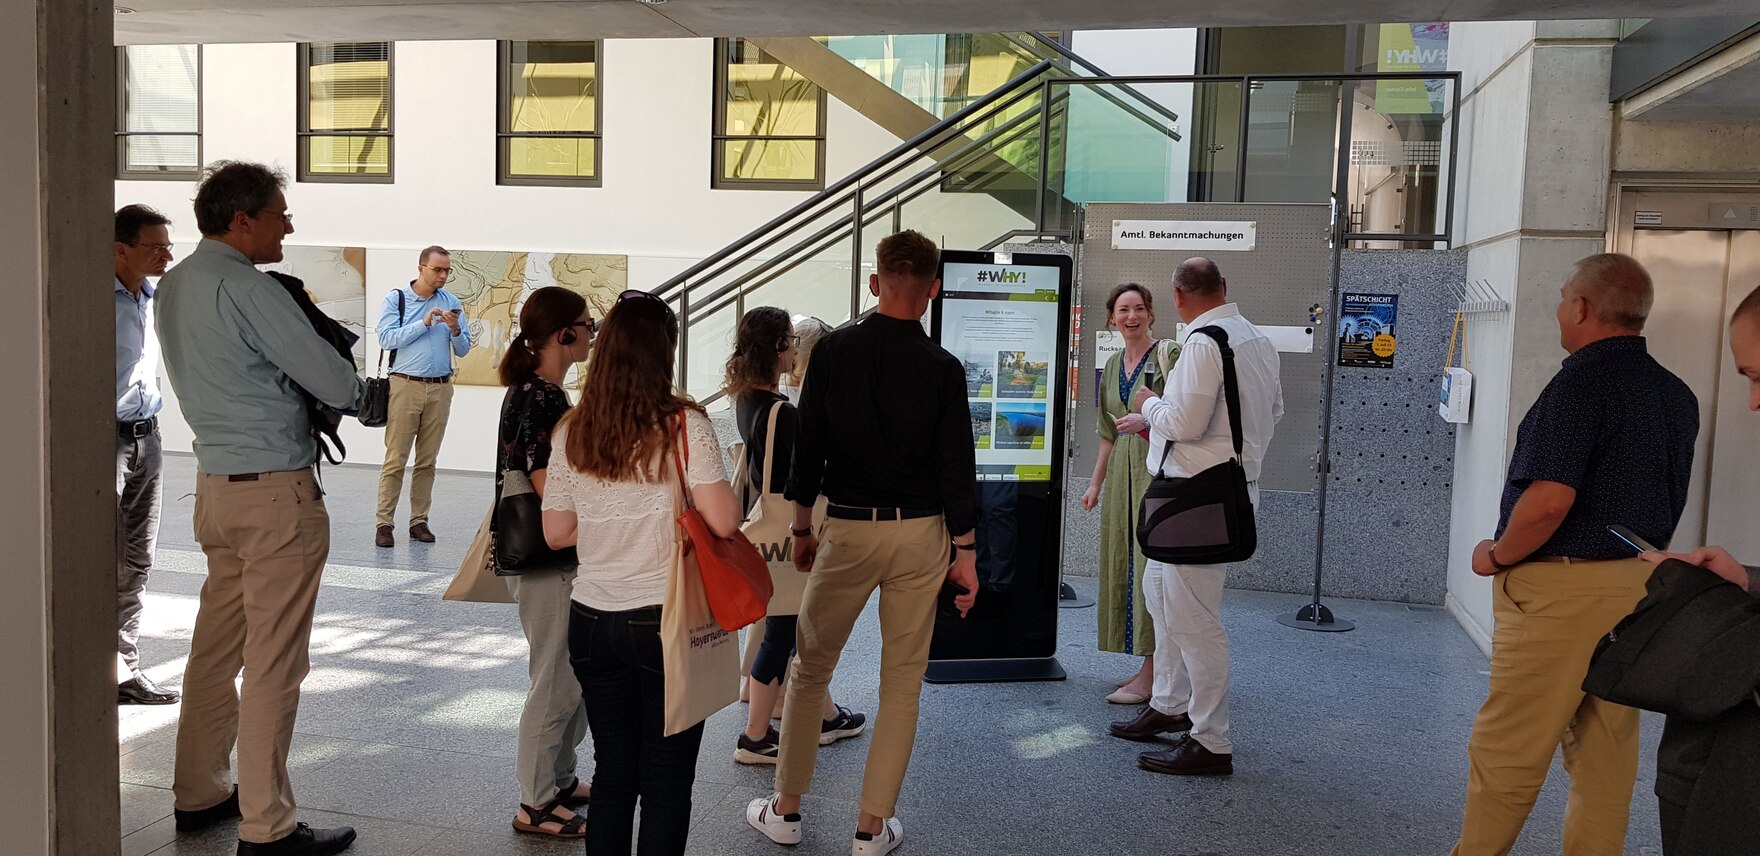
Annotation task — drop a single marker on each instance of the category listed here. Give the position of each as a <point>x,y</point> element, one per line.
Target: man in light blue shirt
<point>423,327</point>
<point>143,249</point>
<point>238,350</point>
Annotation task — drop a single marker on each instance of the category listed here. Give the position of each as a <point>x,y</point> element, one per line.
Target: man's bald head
<point>1199,277</point>
<point>1748,311</point>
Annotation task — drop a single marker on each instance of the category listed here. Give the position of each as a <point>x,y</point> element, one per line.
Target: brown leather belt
<point>446,379</point>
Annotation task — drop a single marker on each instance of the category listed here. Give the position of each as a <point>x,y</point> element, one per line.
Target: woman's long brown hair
<point>625,419</point>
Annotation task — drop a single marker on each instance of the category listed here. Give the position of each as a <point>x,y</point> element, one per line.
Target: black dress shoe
<point>202,818</point>
<point>383,537</point>
<point>1188,757</point>
<point>303,841</point>
<point>139,690</point>
<point>1150,724</point>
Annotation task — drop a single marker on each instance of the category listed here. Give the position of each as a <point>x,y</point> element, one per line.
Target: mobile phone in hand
<point>1624,533</point>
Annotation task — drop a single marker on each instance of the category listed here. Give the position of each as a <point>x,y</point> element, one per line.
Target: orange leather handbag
<point>735,577</point>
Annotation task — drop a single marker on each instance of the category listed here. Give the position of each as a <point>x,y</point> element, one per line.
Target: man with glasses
<point>143,249</point>
<point>423,326</point>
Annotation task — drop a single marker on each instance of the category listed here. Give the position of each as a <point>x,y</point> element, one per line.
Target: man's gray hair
<point>1617,288</point>
<point>1199,276</point>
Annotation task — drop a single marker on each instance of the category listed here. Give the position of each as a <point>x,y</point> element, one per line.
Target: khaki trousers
<point>1549,617</point>
<point>266,542</point>
<point>907,561</point>
<point>554,719</point>
<point>415,416</point>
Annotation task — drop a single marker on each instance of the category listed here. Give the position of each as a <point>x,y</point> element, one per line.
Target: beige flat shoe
<point>1124,696</point>
<point>1125,681</point>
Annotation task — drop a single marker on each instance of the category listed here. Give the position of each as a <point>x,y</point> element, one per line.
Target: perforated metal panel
<point>1288,271</point>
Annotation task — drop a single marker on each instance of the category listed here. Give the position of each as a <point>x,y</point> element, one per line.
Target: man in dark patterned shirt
<point>1609,441</point>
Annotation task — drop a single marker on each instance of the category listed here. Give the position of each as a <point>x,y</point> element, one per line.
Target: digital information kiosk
<point>1006,317</point>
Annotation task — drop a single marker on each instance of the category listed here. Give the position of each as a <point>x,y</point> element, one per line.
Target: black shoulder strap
<point>1231,388</point>
<point>400,323</point>
<point>1231,394</point>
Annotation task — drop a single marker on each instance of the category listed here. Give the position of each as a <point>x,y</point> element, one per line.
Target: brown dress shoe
<point>384,538</point>
<point>1188,757</point>
<point>1150,724</point>
<point>421,532</point>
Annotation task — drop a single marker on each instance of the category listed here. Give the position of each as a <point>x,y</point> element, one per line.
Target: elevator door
<point>1700,276</point>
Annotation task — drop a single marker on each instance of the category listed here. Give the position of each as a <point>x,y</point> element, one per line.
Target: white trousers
<point>1191,648</point>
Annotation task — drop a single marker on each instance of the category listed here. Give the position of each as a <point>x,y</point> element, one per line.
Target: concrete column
<point>58,795</point>
<point>1536,135</point>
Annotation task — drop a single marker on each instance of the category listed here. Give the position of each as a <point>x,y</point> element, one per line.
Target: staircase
<point>980,163</point>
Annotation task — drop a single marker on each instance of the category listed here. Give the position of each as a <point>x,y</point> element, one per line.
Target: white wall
<point>655,205</point>
<point>1535,144</point>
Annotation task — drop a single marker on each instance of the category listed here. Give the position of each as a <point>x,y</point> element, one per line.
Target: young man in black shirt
<point>885,434</point>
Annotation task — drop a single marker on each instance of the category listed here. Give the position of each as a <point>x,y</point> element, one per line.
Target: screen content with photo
<point>1001,321</point>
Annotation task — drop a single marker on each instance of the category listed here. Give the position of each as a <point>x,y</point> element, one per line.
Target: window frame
<point>503,136</point>
<point>303,121</point>
<point>718,138</point>
<point>123,173</point>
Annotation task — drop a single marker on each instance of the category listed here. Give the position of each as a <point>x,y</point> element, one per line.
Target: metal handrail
<point>850,181</point>
<point>848,194</point>
<point>1056,47</point>
<point>914,186</point>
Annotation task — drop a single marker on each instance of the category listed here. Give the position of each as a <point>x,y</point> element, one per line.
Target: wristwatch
<point>800,533</point>
<point>1492,555</point>
<point>971,546</point>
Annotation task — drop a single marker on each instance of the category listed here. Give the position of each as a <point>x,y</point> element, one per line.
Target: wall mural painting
<point>493,286</point>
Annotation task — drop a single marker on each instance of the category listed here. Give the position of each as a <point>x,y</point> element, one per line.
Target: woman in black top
<point>555,331</point>
<point>764,349</point>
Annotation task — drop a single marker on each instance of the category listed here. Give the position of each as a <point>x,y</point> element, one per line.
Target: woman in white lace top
<point>613,494</point>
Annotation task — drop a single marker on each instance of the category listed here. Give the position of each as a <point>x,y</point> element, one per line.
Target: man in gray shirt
<point>235,345</point>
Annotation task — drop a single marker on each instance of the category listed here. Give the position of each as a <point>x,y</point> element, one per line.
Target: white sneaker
<point>781,828</point>
<point>889,838</point>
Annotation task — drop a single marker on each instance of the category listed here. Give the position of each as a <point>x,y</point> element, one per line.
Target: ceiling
<point>212,21</point>
<point>1723,88</point>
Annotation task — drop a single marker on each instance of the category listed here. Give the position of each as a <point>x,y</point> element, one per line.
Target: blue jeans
<point>616,657</point>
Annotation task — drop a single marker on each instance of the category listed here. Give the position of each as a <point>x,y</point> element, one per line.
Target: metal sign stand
<point>1314,615</point>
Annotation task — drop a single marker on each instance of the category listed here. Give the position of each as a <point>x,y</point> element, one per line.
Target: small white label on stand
<point>1647,218</point>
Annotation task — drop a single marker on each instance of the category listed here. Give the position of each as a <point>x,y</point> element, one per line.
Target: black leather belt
<point>846,512</point>
<point>446,379</point>
<point>137,429</point>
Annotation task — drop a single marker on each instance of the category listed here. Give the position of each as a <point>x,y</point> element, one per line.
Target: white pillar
<point>1536,132</point>
<point>58,791</point>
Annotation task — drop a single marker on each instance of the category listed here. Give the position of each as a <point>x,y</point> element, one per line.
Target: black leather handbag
<point>1206,519</point>
<point>376,407</point>
<point>520,547</point>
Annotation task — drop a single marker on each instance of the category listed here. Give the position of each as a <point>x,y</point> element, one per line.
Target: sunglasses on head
<point>638,294</point>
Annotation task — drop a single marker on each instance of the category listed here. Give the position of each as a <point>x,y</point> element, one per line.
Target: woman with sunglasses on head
<point>555,330</point>
<point>613,494</point>
<point>765,349</point>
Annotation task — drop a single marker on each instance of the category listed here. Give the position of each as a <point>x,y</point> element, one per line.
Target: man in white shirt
<point>1185,601</point>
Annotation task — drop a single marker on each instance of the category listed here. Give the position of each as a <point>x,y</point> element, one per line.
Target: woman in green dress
<point>1121,473</point>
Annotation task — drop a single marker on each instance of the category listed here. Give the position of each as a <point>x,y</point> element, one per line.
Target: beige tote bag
<point>701,659</point>
<point>476,580</point>
<point>770,525</point>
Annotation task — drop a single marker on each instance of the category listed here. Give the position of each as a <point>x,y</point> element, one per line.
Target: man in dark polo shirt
<point>885,434</point>
<point>1609,441</point>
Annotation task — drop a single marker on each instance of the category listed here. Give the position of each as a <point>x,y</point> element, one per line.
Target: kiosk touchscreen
<point>1006,317</point>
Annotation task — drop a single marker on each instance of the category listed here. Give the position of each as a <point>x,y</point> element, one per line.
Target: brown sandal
<point>574,827</point>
